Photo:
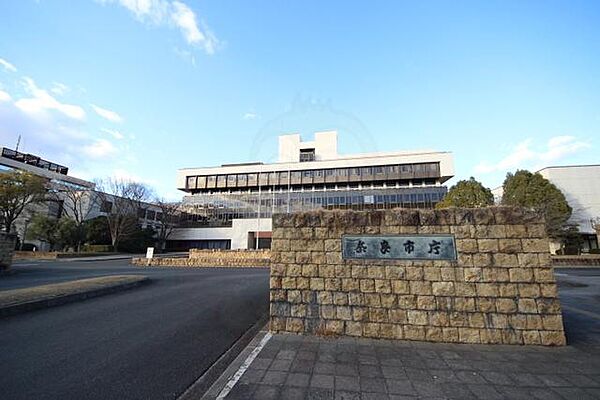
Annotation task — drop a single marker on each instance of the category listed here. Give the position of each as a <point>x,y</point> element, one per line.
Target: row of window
<point>248,205</point>
<point>334,175</point>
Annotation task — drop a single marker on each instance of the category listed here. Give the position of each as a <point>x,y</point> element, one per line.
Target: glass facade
<point>219,208</point>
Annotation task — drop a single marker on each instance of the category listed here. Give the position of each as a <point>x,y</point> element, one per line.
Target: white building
<point>230,206</point>
<point>581,186</point>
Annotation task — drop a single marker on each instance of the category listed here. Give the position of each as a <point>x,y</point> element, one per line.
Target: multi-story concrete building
<point>231,206</point>
<point>64,189</point>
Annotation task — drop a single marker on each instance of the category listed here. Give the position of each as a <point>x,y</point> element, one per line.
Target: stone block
<point>465,304</point>
<point>443,288</point>
<point>487,290</point>
<point>553,338</point>
<point>469,335</point>
<point>531,290</point>
<point>532,337</point>
<point>548,306</point>
<point>382,286</point>
<point>400,287</point>
<point>432,274</point>
<point>487,245</point>
<point>535,245</point>
<point>506,305</point>
<point>420,287</point>
<point>343,313</point>
<point>516,231</point>
<point>426,303</point>
<point>372,299</point>
<point>371,329</point>
<point>394,272</point>
<point>334,327</point>
<point>486,304</point>
<point>324,298</point>
<point>340,298</point>
<point>397,316</point>
<point>552,322</point>
<point>388,300</point>
<point>527,306</point>
<point>412,332</point>
<point>450,335</point>
<point>295,325</point>
<point>473,274</point>
<point>367,285</point>
<point>333,284</point>
<point>378,315</point>
<point>353,329</point>
<point>521,274</point>
<point>317,284</point>
<point>510,246</point>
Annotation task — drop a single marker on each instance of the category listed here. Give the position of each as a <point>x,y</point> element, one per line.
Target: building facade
<point>231,206</point>
<point>67,195</point>
<point>581,187</point>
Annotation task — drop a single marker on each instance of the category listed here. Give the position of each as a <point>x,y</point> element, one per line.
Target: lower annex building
<point>230,207</point>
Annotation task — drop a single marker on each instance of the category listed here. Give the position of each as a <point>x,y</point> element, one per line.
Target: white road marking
<point>238,374</point>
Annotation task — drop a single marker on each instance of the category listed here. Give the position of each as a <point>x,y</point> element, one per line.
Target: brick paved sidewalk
<point>302,367</point>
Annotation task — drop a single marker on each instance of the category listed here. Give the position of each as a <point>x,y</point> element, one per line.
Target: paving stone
<point>324,368</point>
<point>458,391</point>
<point>345,395</point>
<point>241,392</point>
<point>266,392</point>
<point>390,372</point>
<point>347,383</point>
<point>280,365</point>
<point>470,377</point>
<point>374,396</point>
<point>544,394</point>
<point>306,355</point>
<point>418,375</point>
<point>426,389</point>
<point>252,376</point>
<point>554,380</point>
<point>261,363</point>
<point>302,366</point>
<point>574,393</point>
<point>319,394</point>
<point>397,386</point>
<point>372,385</point>
<point>369,371</point>
<point>497,378</point>
<point>485,392</point>
<point>293,393</point>
<point>274,377</point>
<point>286,354</point>
<point>581,381</point>
<point>322,381</point>
<point>297,379</point>
<point>346,369</point>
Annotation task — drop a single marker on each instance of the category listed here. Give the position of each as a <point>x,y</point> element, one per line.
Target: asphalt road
<point>150,342</point>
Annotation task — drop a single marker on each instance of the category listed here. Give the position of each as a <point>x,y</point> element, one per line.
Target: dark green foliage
<point>58,233</point>
<point>468,194</point>
<point>17,190</point>
<point>96,231</point>
<point>526,189</point>
<point>139,240</point>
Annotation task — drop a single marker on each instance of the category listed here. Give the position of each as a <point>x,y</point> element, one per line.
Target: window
<point>307,174</point>
<point>231,180</point>
<point>378,170</point>
<point>319,173</point>
<point>307,155</point>
<point>191,182</point>
<point>141,212</point>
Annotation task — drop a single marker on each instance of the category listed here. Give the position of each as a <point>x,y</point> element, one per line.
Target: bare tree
<point>78,204</point>
<point>170,213</point>
<point>121,200</point>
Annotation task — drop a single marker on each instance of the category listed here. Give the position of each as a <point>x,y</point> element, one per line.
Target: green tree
<point>58,233</point>
<point>17,191</point>
<point>532,190</point>
<point>469,194</point>
<point>96,231</point>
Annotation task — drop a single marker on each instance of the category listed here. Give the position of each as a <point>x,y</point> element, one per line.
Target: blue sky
<point>139,88</point>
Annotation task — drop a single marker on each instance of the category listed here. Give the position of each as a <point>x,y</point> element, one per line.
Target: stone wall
<point>211,258</point>
<point>501,288</point>
<point>7,248</point>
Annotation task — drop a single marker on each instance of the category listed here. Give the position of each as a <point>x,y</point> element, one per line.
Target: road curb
<point>20,308</point>
<point>210,384</point>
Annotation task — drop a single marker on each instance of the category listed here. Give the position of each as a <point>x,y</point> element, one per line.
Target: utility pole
<point>18,143</point>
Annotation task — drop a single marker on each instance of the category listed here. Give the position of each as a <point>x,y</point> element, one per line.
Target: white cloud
<point>523,156</point>
<point>113,133</point>
<point>100,148</point>
<point>175,14</point>
<point>124,175</point>
<point>59,88</point>
<point>42,102</point>
<point>4,97</point>
<point>107,114</point>
<point>250,115</point>
<point>7,66</point>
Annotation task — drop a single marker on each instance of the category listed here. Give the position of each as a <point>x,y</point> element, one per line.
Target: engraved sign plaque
<point>399,247</point>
